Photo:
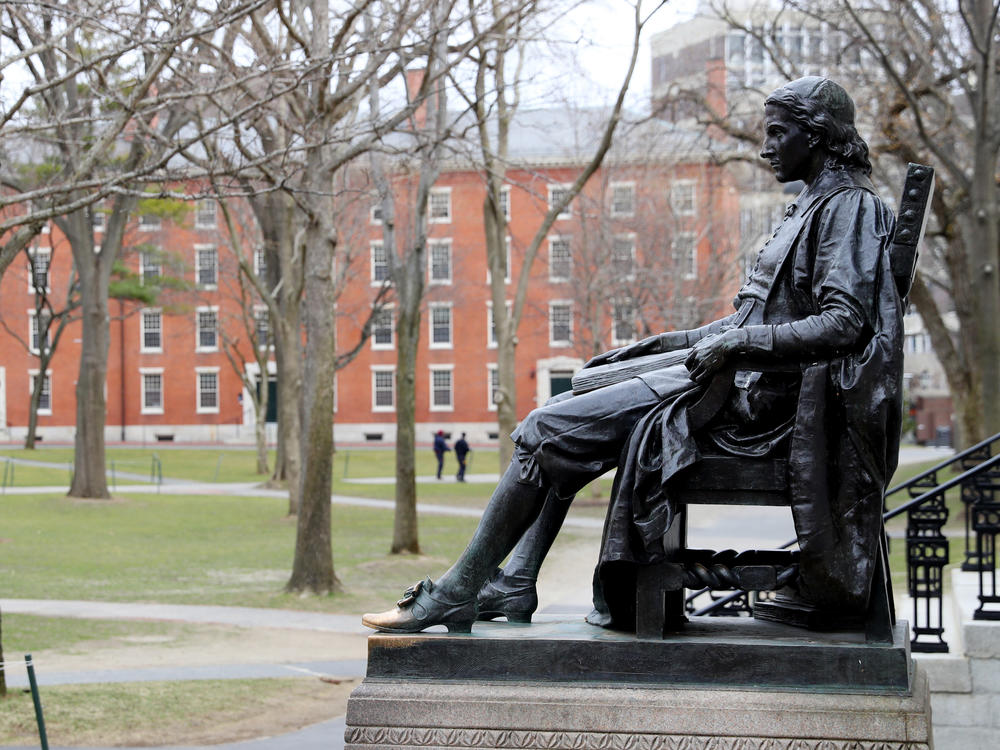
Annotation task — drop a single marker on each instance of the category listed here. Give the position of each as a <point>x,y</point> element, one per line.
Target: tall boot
<point>451,600</point>
<point>510,592</point>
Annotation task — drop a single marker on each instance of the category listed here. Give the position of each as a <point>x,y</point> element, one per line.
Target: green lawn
<point>238,550</point>
<point>202,549</point>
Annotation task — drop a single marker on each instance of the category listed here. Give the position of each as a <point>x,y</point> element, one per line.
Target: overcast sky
<point>602,32</point>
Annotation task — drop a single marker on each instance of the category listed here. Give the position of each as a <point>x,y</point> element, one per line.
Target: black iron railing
<point>927,547</point>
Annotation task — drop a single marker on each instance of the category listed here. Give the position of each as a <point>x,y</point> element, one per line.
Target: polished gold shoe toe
<point>420,609</point>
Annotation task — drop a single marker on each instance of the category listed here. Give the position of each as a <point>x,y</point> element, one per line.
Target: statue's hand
<point>649,345</point>
<point>709,355</point>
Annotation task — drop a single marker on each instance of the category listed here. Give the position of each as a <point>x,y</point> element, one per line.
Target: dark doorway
<point>560,382</point>
<point>272,399</point>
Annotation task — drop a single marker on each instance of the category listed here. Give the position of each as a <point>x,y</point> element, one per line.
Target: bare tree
<point>320,61</point>
<point>494,96</point>
<point>104,107</point>
<point>662,267</point>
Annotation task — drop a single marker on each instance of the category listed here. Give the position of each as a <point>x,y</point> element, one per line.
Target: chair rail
<point>928,549</point>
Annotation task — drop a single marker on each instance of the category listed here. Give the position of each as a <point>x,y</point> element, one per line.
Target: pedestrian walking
<point>461,451</point>
<point>440,448</point>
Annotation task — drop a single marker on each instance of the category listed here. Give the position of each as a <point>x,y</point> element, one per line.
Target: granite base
<point>504,698</point>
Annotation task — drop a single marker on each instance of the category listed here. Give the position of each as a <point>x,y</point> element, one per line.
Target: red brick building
<point>651,243</point>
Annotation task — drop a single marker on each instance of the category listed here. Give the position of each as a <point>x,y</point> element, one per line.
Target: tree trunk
<point>289,407</point>
<point>312,569</point>
<point>89,473</point>
<point>405,536</point>
<point>260,433</point>
<point>3,672</point>
<point>36,395</point>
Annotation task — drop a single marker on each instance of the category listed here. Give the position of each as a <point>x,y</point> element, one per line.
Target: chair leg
<point>659,590</point>
<point>880,617</point>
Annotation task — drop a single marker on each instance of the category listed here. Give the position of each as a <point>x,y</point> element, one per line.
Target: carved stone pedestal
<point>510,700</point>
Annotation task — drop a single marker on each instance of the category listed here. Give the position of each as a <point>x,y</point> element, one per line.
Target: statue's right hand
<point>649,345</point>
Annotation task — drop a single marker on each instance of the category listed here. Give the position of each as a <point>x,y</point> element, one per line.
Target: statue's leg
<point>451,600</point>
<point>561,446</point>
<point>510,591</point>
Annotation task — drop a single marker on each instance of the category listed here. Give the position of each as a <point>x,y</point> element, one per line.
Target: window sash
<point>208,267</point>
<point>152,330</point>
<point>208,323</point>
<point>441,389</point>
<point>561,324</point>
<point>152,391</point>
<point>383,389</point>
<point>560,260</point>
<point>208,390</point>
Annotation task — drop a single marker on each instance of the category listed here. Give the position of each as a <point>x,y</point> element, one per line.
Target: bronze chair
<point>730,480</point>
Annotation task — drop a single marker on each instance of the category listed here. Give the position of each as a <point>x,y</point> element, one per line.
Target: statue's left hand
<point>709,355</point>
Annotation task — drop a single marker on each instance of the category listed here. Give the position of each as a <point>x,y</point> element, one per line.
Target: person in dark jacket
<point>461,451</point>
<point>440,448</point>
<point>820,296</point>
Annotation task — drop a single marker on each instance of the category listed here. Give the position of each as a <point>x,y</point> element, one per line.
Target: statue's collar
<point>828,181</point>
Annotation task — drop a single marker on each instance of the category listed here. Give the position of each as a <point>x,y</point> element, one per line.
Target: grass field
<point>214,549</point>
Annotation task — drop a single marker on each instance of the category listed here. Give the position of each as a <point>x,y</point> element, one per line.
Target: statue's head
<point>823,109</point>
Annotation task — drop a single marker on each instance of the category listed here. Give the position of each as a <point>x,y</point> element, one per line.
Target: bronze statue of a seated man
<point>821,298</point>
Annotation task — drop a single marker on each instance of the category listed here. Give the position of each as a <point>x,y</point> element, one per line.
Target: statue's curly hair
<point>831,121</point>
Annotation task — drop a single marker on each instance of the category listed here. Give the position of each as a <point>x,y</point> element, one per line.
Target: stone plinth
<point>564,685</point>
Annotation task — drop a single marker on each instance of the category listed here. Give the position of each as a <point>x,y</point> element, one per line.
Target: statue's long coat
<point>844,439</point>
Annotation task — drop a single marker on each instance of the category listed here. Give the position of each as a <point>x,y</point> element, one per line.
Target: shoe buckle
<point>410,595</point>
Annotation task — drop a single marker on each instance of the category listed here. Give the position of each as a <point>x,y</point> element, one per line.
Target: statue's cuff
<point>756,340</point>
<point>673,340</point>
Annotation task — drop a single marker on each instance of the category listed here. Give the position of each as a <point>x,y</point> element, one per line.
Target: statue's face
<point>786,145</point>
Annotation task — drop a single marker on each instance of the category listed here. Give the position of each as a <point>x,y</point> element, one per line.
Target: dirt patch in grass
<point>148,714</point>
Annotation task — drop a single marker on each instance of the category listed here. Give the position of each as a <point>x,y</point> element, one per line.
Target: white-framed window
<point>39,263</point>
<point>149,266</point>
<point>380,263</point>
<point>686,254</point>
<point>560,259</point>
<point>683,198</point>
<point>259,262</point>
<point>622,198</point>
<point>98,219</point>
<point>623,256</point>
<point>375,214</point>
<point>207,266</point>
<point>492,385</point>
<point>207,326</point>
<point>207,380</point>
<point>439,260</point>
<point>45,397</point>
<point>622,322</point>
<point>36,324</point>
<point>383,388</point>
<point>262,327</point>
<point>440,323</point>
<point>439,205</point>
<point>442,388</point>
<point>491,325</point>
<point>556,194</point>
<point>150,330</point>
<point>206,214</point>
<point>560,323</point>
<point>382,329</point>
<point>151,390</point>
<point>506,279</point>
<point>149,222</point>
<point>505,201</point>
